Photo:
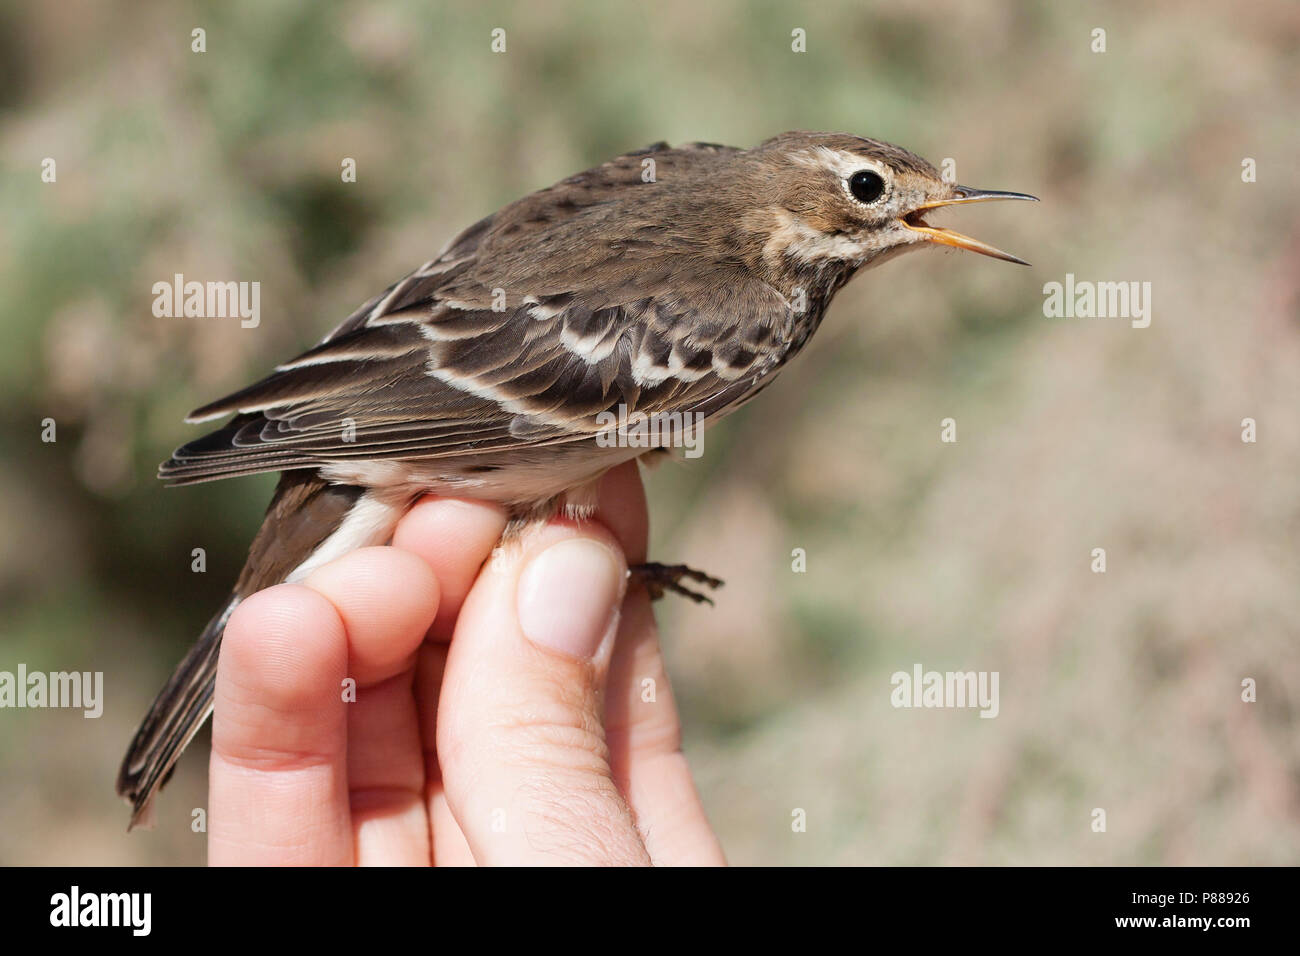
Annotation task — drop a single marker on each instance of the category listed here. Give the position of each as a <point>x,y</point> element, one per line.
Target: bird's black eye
<point>866,185</point>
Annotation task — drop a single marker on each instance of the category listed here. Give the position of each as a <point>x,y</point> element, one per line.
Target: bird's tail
<point>176,716</point>
<point>308,523</point>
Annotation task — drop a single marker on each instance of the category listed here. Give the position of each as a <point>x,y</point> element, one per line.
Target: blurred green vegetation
<point>1119,691</point>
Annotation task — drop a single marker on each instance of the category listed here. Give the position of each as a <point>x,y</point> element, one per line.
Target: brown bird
<point>668,281</point>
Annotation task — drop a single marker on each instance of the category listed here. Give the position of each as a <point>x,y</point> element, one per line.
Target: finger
<point>642,726</point>
<point>278,775</point>
<point>520,740</point>
<point>449,845</point>
<point>621,507</point>
<point>387,599</point>
<point>455,537</point>
<point>645,744</point>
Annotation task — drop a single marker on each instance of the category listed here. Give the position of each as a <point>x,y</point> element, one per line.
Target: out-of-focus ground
<point>1119,691</point>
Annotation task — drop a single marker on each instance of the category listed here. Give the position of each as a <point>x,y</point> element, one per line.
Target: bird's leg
<point>659,579</point>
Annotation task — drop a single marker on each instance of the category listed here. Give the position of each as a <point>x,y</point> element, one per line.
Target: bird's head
<point>829,199</point>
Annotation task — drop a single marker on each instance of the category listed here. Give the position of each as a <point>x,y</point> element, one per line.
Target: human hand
<point>525,740</point>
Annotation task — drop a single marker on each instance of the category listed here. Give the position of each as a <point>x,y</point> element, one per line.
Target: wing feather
<point>434,367</point>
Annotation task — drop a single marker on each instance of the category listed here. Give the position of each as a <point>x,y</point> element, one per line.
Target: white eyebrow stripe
<point>843,164</point>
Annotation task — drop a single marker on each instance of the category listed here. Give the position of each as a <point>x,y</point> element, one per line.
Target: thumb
<point>521,741</point>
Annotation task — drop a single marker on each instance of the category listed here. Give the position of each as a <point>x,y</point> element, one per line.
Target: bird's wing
<point>447,362</point>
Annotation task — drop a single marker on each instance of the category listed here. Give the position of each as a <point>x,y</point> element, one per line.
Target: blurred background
<point>1119,691</point>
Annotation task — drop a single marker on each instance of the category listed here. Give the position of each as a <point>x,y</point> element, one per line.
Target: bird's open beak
<point>962,194</point>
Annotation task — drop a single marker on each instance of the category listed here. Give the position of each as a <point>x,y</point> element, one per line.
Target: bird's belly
<point>521,479</point>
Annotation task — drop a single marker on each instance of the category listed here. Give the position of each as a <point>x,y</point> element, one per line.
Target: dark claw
<point>659,579</point>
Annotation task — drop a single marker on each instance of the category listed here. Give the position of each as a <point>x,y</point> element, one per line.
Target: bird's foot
<point>659,579</point>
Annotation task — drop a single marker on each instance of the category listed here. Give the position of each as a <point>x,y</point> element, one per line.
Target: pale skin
<point>500,713</point>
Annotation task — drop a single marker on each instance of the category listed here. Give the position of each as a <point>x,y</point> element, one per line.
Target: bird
<point>666,281</point>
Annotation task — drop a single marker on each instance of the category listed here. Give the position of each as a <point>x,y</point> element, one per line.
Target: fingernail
<point>568,595</point>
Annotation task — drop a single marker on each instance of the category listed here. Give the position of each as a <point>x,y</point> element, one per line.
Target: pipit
<point>666,282</point>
